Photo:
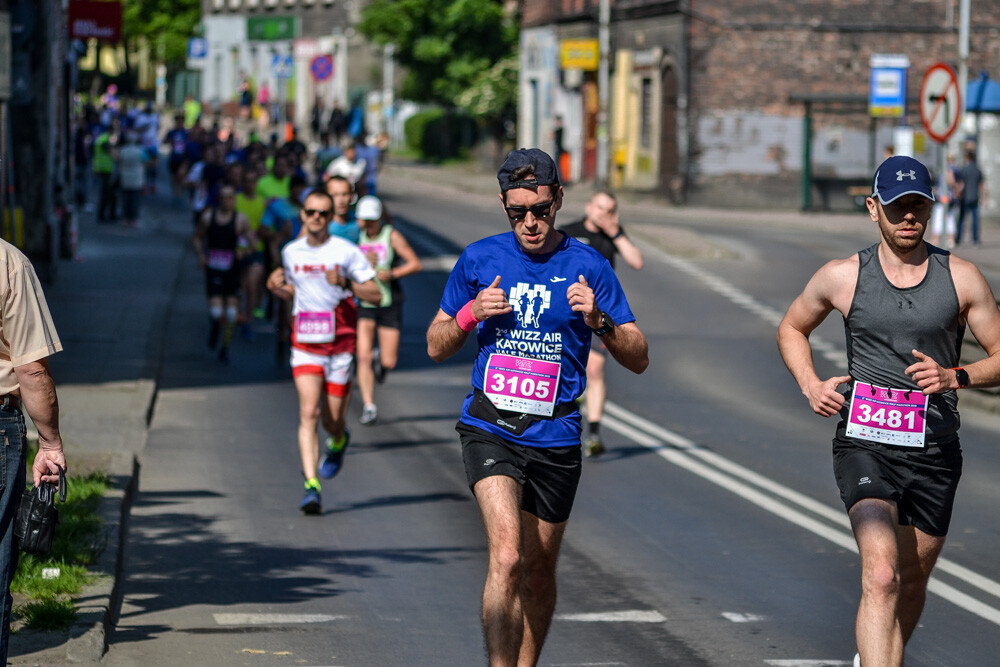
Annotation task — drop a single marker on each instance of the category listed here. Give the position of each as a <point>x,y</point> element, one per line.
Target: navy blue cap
<point>901,175</point>
<point>545,169</point>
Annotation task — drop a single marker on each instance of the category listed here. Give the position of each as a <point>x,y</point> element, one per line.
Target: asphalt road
<point>711,533</point>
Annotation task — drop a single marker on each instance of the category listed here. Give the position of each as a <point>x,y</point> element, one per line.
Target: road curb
<point>99,602</point>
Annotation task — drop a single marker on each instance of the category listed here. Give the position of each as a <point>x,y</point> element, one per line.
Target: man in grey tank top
<point>896,452</point>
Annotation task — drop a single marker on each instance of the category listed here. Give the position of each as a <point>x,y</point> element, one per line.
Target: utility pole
<point>4,97</point>
<point>388,101</point>
<point>963,69</point>
<point>603,92</point>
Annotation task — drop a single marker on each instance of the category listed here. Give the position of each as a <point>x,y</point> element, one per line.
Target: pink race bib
<point>890,416</point>
<point>522,384</point>
<point>220,260</point>
<point>314,327</point>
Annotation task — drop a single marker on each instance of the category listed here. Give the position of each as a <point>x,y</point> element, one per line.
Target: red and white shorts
<point>336,369</point>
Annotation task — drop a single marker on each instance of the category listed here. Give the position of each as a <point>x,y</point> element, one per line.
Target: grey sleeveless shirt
<point>886,322</point>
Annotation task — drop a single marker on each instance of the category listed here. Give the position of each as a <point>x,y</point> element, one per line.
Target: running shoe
<point>334,456</point>
<point>311,502</point>
<point>594,447</point>
<point>369,414</point>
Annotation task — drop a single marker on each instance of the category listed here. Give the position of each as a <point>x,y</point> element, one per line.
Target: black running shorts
<point>390,317</point>
<point>549,475</point>
<point>922,482</point>
<point>222,283</point>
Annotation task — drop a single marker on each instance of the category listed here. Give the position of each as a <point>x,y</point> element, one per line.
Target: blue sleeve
<point>267,220</point>
<point>462,286</point>
<point>610,296</point>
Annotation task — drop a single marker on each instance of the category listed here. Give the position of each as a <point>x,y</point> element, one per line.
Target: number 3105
<point>521,386</point>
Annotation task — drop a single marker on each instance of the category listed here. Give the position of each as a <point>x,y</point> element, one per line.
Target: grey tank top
<point>886,322</point>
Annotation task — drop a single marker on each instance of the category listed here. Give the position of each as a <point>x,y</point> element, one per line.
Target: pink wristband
<point>465,319</point>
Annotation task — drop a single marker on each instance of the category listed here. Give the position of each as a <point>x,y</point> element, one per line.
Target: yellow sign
<point>579,54</point>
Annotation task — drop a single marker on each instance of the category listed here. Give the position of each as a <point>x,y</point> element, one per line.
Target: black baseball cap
<point>545,169</point>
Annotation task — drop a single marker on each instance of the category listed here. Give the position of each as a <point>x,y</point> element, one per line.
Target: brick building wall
<point>747,58</point>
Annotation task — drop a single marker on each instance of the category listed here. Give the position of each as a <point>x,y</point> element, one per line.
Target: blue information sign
<point>282,66</point>
<point>887,86</point>
<point>197,47</point>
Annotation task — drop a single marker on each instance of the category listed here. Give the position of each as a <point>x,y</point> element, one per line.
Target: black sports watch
<point>607,324</point>
<point>963,378</point>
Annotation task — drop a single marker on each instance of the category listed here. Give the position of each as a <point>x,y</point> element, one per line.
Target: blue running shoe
<point>311,501</point>
<point>334,456</point>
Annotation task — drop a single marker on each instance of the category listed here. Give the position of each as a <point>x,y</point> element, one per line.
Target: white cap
<point>369,208</point>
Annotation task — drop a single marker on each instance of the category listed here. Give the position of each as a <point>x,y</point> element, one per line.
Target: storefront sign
<point>95,19</point>
<point>579,54</point>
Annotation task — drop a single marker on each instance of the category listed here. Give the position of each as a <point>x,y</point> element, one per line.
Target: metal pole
<point>603,84</point>
<point>963,69</point>
<point>807,158</point>
<point>388,74</point>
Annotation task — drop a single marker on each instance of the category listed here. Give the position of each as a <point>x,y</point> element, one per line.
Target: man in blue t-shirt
<point>535,297</point>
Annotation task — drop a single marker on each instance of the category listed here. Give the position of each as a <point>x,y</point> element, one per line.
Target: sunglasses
<point>322,212</point>
<point>519,213</point>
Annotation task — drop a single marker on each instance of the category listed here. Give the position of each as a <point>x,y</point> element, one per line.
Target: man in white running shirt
<point>320,274</point>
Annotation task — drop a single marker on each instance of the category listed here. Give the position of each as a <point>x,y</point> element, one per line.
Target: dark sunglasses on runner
<point>519,213</point>
<point>322,212</point>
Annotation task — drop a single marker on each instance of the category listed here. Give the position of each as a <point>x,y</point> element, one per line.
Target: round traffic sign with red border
<point>940,102</point>
<point>321,67</point>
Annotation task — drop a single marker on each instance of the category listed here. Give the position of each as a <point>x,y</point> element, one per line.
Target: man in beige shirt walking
<point>27,338</point>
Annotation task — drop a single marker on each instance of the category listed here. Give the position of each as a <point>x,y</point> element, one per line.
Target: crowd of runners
<point>299,237</point>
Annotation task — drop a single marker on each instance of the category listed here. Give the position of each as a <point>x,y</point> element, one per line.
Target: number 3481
<point>886,418</point>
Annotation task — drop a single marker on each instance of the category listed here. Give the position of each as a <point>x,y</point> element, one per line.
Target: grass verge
<point>44,586</point>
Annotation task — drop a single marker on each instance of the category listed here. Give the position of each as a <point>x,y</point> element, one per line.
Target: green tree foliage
<point>494,91</point>
<point>444,45</point>
<point>166,25</point>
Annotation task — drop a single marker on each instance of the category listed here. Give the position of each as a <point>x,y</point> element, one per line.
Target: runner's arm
<point>277,285</point>
<point>198,240</point>
<point>983,318</point>
<point>411,263</point>
<point>444,337</point>
<point>366,291</point>
<point>628,346</point>
<point>805,314</point>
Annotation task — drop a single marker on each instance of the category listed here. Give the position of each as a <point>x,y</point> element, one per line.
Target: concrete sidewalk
<point>110,305</point>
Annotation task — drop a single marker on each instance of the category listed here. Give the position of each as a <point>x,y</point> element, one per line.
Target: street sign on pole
<point>940,102</point>
<point>282,66</point>
<point>321,67</point>
<point>887,86</point>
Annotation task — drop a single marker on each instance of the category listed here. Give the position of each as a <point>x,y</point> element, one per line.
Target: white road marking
<point>274,619</point>
<point>784,502</point>
<point>737,617</point>
<point>808,663</point>
<point>629,616</point>
<point>440,263</point>
<point>764,312</point>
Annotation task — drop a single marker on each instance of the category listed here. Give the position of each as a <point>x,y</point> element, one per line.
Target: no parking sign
<point>321,67</point>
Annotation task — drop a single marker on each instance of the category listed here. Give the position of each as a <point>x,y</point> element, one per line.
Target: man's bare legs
<point>520,592</point>
<point>310,389</point>
<point>896,562</point>
<point>541,541</point>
